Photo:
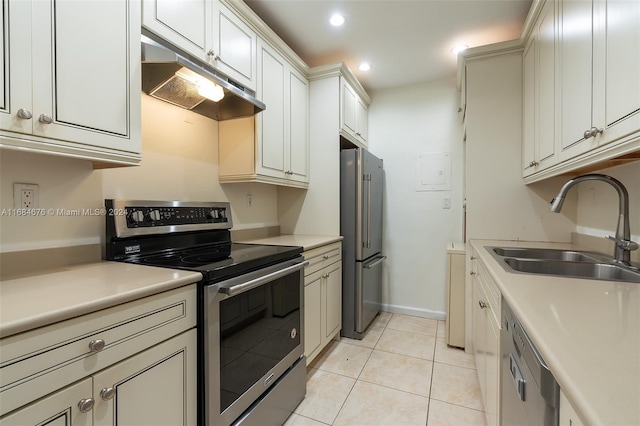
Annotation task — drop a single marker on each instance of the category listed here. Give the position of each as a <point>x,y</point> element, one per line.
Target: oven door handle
<point>257,282</point>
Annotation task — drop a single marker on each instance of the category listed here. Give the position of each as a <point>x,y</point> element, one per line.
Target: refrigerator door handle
<point>368,180</point>
<point>378,261</point>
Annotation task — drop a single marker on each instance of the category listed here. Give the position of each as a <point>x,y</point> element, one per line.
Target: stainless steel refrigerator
<point>361,187</point>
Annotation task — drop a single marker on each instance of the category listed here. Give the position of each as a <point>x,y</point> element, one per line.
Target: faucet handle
<point>624,244</point>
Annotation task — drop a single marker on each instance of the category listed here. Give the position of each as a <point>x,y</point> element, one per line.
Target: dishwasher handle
<point>516,375</point>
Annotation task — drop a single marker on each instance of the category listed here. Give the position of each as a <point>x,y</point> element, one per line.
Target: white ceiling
<point>405,41</point>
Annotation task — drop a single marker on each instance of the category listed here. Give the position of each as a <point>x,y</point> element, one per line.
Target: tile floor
<point>401,374</point>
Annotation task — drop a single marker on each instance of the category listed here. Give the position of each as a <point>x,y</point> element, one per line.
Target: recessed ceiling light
<point>364,66</point>
<point>458,48</point>
<point>336,20</point>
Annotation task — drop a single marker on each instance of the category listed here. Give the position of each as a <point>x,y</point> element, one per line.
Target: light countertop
<point>62,293</point>
<point>307,242</point>
<point>588,332</point>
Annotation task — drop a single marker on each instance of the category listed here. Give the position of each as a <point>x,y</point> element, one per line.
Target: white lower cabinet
<point>322,298</point>
<point>154,387</point>
<point>486,338</point>
<point>568,414</point>
<point>131,364</point>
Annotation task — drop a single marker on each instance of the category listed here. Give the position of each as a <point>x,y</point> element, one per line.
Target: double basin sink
<point>563,263</point>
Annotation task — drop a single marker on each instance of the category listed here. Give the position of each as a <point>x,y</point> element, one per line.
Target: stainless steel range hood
<point>176,78</point>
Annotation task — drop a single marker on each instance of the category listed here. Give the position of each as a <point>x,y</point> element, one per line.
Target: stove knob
<point>154,215</point>
<point>137,216</point>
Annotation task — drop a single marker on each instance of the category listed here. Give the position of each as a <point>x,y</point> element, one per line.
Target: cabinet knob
<point>85,405</point>
<point>213,55</point>
<point>325,257</point>
<point>25,114</point>
<point>482,304</point>
<point>45,119</point>
<point>472,273</point>
<point>473,258</point>
<point>107,393</point>
<point>592,132</point>
<point>97,345</point>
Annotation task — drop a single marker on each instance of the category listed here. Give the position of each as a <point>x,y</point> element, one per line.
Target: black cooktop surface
<point>219,261</point>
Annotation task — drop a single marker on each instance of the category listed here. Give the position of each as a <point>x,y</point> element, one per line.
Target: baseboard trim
<point>407,310</point>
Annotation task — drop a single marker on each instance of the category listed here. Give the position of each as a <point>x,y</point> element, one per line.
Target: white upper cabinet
<point>575,45</point>
<point>539,60</point>
<point>354,114</point>
<point>278,152</point>
<point>234,46</point>
<point>594,114</point>
<point>209,31</point>
<point>72,78</point>
<point>617,48</point>
<point>187,24</point>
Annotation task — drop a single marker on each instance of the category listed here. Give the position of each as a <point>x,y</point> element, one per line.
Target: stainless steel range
<point>251,367</point>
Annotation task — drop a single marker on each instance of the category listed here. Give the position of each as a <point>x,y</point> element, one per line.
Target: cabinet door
<point>333,303</point>
<point>362,120</point>
<point>545,116</point>
<point>622,68</point>
<point>492,369</point>
<point>86,72</point>
<point>58,409</point>
<point>576,76</point>
<point>272,132</point>
<point>155,387</point>
<point>528,107</point>
<point>479,334</point>
<point>298,152</point>
<point>185,23</point>
<point>15,90</point>
<point>235,47</point>
<point>348,108</point>
<point>312,314</point>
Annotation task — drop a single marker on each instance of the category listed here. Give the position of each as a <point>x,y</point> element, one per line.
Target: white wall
<point>597,212</point>
<point>405,122</point>
<point>317,210</point>
<point>180,162</point>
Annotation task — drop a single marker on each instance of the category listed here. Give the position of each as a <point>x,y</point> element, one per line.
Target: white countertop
<point>307,242</point>
<point>62,293</point>
<point>588,332</point>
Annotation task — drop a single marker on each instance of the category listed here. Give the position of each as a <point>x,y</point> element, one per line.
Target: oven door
<point>252,335</point>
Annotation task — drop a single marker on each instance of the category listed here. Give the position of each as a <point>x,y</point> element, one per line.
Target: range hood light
<point>210,90</point>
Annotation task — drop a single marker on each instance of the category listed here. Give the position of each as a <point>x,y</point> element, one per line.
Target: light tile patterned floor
<point>401,374</point>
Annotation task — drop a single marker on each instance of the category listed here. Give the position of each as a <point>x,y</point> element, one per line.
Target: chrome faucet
<point>623,244</point>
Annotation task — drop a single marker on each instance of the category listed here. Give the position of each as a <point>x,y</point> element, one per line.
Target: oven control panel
<point>174,216</point>
<point>127,218</point>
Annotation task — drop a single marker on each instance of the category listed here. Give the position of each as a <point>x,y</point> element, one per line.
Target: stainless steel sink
<point>596,271</point>
<point>550,254</point>
<point>563,263</point>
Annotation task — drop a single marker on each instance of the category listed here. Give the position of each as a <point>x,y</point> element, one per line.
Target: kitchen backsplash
<point>180,162</point>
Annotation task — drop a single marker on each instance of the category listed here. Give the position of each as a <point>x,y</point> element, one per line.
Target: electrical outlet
<point>26,196</point>
<point>446,203</point>
<point>249,201</point>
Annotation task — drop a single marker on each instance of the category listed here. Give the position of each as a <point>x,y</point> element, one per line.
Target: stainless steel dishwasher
<point>530,394</point>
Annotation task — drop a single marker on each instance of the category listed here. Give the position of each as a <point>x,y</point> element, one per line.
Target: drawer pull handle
<point>97,345</point>
<point>107,393</point>
<point>85,405</point>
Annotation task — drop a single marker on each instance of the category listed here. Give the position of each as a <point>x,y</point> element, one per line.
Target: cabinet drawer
<point>322,256</point>
<point>491,291</point>
<point>37,362</point>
